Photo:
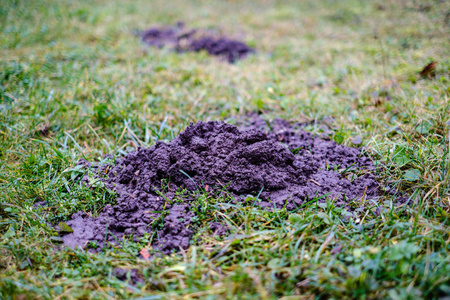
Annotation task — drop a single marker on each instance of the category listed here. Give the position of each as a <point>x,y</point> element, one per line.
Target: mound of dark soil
<point>181,40</point>
<point>285,167</point>
<point>159,37</point>
<point>232,50</point>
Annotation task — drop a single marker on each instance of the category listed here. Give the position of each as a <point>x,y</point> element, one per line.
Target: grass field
<point>75,82</point>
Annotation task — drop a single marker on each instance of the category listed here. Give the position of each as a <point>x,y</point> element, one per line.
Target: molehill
<point>181,39</point>
<point>284,167</point>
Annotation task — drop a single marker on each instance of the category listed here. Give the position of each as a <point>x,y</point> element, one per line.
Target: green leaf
<point>401,160</point>
<point>400,156</point>
<point>339,137</point>
<point>424,127</point>
<point>357,253</point>
<point>64,228</point>
<point>24,264</point>
<point>295,218</point>
<point>403,250</point>
<point>411,175</point>
<point>324,217</point>
<point>274,263</point>
<point>344,213</point>
<point>259,104</point>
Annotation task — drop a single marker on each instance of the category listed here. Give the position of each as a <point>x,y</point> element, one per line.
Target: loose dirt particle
<point>357,140</point>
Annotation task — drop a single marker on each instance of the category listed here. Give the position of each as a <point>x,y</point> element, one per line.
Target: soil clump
<point>181,39</point>
<point>282,165</point>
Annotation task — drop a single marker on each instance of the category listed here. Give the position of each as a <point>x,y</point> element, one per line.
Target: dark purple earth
<point>181,40</point>
<point>284,165</point>
<point>231,50</point>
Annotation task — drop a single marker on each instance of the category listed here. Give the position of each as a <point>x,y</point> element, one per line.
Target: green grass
<point>75,83</point>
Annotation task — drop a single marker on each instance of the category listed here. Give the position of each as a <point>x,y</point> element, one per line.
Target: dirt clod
<point>357,140</point>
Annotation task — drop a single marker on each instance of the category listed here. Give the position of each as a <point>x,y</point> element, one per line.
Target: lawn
<point>76,82</point>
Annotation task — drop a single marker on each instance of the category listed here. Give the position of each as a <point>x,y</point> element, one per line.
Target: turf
<point>76,83</point>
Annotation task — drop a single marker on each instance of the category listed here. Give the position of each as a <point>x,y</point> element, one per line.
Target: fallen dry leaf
<point>144,253</point>
<point>428,70</point>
